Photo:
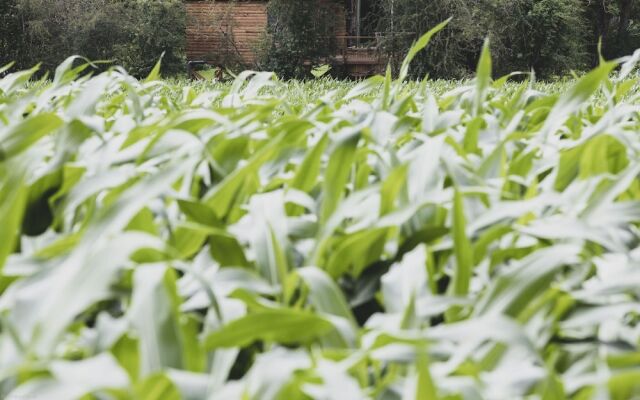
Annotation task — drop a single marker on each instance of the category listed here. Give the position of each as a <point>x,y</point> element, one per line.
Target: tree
<point>617,24</point>
<point>132,33</point>
<point>299,34</point>
<point>546,35</point>
<point>10,31</point>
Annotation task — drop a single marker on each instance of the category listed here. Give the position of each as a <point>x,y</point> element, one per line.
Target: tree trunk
<point>625,7</point>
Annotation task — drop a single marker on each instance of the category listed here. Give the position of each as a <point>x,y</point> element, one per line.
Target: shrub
<point>546,35</point>
<point>156,27</point>
<point>130,33</point>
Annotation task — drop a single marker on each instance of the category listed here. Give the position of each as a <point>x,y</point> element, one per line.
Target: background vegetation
<point>552,37</point>
<point>299,33</point>
<point>131,33</point>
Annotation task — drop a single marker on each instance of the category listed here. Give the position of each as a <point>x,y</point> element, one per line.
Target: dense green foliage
<point>9,28</point>
<point>550,36</point>
<point>617,23</point>
<point>270,240</point>
<point>299,34</point>
<point>132,33</point>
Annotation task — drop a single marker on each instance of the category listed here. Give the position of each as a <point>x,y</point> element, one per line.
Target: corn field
<point>322,240</point>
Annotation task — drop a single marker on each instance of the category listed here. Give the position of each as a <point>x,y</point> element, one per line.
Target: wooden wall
<point>219,29</point>
<point>213,27</point>
<point>341,21</point>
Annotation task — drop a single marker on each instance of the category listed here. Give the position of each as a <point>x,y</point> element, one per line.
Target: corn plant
<point>284,240</point>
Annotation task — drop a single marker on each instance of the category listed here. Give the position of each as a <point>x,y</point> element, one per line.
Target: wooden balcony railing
<point>372,41</point>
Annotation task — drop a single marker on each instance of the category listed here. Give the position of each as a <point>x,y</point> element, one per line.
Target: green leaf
<point>306,176</point>
<point>126,351</point>
<point>391,189</point>
<point>337,174</point>
<point>575,97</point>
<point>13,201</point>
<point>462,249</point>
<point>552,389</point>
<point>512,291</point>
<point>157,387</point>
<point>418,46</point>
<point>12,81</point>
<point>7,67</point>
<point>284,326</point>
<point>324,294</point>
<point>426,386</point>
<point>483,75</point>
<point>20,137</point>
<point>625,385</point>
<point>226,250</point>
<point>353,253</point>
<point>154,75</point>
<point>321,70</point>
<point>221,198</point>
<point>568,168</point>
<point>187,240</point>
<point>155,316</point>
<point>75,379</point>
<point>602,154</point>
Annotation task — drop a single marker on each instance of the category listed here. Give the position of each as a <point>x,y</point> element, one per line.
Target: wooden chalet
<point>224,30</point>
